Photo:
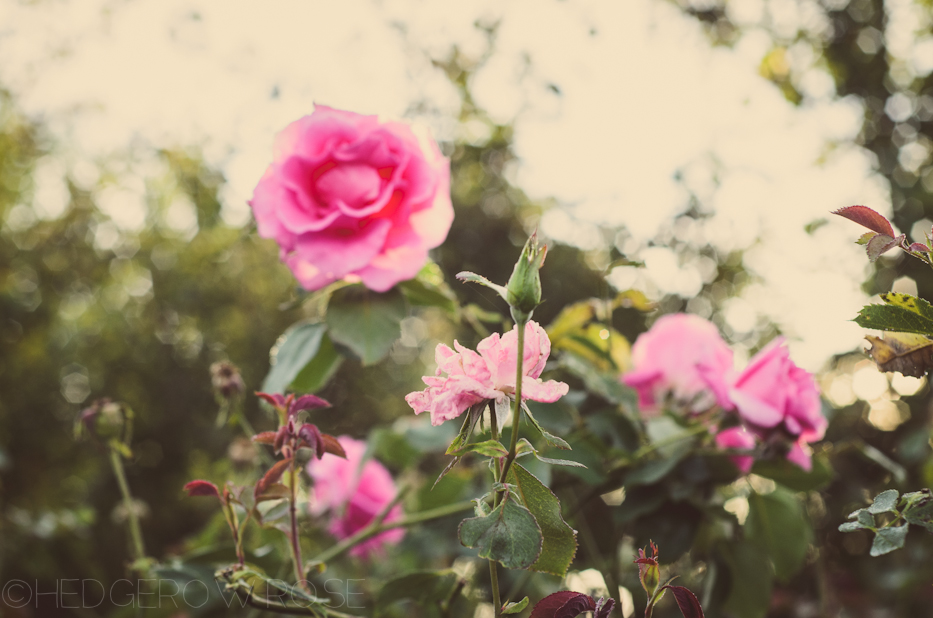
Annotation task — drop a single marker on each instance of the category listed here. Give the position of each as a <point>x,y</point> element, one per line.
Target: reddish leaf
<point>551,604</point>
<point>307,402</point>
<point>881,244</point>
<point>272,476</point>
<point>576,606</point>
<point>265,437</point>
<point>687,601</point>
<point>202,488</point>
<point>276,400</point>
<point>919,246</point>
<point>603,608</point>
<point>863,215</point>
<point>311,437</point>
<point>279,440</point>
<point>332,445</point>
<point>274,492</point>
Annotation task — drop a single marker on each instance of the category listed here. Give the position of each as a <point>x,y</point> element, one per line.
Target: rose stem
<point>293,515</point>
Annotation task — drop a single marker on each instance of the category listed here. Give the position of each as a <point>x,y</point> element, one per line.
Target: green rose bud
<point>523,291</point>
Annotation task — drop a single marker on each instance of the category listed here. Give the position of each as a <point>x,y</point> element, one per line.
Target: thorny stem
<point>493,569</point>
<point>293,516</point>
<point>132,518</point>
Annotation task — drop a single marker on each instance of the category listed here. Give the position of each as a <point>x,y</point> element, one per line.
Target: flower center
<point>353,184</point>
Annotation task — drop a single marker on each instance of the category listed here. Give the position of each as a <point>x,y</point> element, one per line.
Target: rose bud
<point>523,291</point>
<point>226,380</point>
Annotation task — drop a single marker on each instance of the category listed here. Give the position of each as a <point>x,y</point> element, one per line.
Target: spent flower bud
<point>523,291</point>
<point>226,380</point>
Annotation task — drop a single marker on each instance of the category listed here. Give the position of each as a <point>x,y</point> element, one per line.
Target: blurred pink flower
<point>682,360</point>
<point>738,438</point>
<point>354,492</point>
<point>348,196</point>
<point>773,392</point>
<point>490,374</point>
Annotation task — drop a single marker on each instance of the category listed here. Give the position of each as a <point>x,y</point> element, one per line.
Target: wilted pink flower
<point>773,392</point>
<point>738,438</point>
<point>490,374</point>
<point>354,492</point>
<point>681,358</point>
<point>348,196</point>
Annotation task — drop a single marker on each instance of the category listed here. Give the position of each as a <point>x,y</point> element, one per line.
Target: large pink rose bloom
<point>348,196</point>
<point>354,493</point>
<point>487,375</point>
<point>773,392</point>
<point>680,360</point>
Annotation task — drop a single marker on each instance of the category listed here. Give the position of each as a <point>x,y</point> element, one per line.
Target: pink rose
<point>354,492</point>
<point>488,375</point>
<point>738,438</point>
<point>773,392</point>
<point>682,360</point>
<point>348,196</point>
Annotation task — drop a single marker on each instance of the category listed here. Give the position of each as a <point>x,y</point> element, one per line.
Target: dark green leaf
<point>367,322</point>
<point>559,540</point>
<point>863,520</point>
<point>888,539</point>
<point>291,353</point>
<point>423,587</point>
<point>777,525</point>
<point>508,534</point>
<point>750,595</point>
<point>793,476</point>
<point>319,370</point>
<point>885,502</point>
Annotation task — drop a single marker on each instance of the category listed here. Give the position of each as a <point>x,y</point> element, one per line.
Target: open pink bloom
<point>348,196</point>
<point>354,492</point>
<point>681,358</point>
<point>487,375</point>
<point>773,392</point>
<point>738,438</point>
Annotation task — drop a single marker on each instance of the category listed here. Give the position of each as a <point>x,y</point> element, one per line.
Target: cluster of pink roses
<point>488,375</point>
<point>682,362</point>
<point>354,491</point>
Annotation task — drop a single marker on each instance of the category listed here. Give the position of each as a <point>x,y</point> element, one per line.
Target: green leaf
<point>297,347</point>
<point>367,322</point>
<point>525,447</point>
<point>750,595</point>
<point>509,534</point>
<point>793,476</point>
<point>471,417</point>
<point>919,509</point>
<point>319,370</point>
<point>863,521</point>
<point>428,289</point>
<point>516,607</point>
<point>559,539</point>
<point>777,525</point>
<point>487,448</point>
<point>551,439</point>
<point>422,587</point>
<point>901,312</point>
<point>888,539</point>
<point>885,502</point>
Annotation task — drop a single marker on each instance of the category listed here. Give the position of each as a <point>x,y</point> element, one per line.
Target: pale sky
<point>642,96</point>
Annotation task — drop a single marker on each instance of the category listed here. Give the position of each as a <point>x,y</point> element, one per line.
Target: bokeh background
<point>708,138</point>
